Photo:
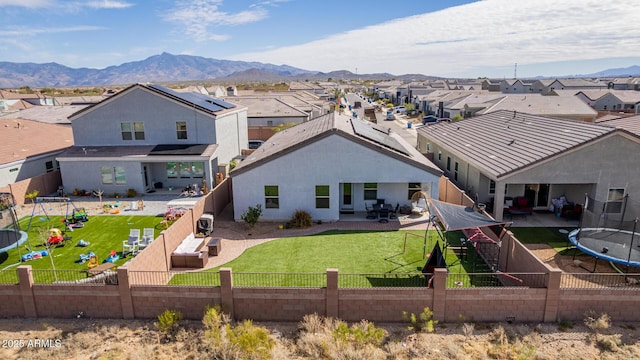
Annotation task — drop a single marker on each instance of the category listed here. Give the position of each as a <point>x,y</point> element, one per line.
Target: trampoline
<point>10,239</point>
<point>614,245</point>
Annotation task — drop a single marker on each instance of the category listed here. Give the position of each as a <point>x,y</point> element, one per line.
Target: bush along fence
<point>545,297</point>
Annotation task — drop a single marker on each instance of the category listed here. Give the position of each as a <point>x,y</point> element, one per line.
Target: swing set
<point>78,215</point>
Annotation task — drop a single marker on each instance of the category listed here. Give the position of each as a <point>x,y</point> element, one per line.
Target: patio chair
<point>147,238</point>
<point>394,214</point>
<point>371,213</point>
<point>134,233</point>
<point>130,246</point>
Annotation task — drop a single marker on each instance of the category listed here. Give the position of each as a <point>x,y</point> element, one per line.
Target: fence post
<point>124,288</point>
<point>226,291</point>
<point>332,293</point>
<point>439,293</point>
<point>25,278</point>
<point>554,277</point>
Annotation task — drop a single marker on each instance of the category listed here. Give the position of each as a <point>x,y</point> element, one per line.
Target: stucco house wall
<point>330,161</point>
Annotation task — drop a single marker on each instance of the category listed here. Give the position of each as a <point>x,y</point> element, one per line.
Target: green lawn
<point>104,233</point>
<point>379,254</point>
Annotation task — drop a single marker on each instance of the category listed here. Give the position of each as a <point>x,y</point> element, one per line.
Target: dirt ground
<point>137,339</point>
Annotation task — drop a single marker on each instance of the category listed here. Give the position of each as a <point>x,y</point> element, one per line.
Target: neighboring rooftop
<point>26,138</point>
<point>46,113</point>
<point>503,141</point>
<point>630,123</point>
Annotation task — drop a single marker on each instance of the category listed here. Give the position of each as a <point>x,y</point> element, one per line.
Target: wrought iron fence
<point>75,277</point>
<point>599,281</point>
<point>191,279</point>
<point>496,279</point>
<point>385,280</point>
<point>9,277</point>
<point>305,280</point>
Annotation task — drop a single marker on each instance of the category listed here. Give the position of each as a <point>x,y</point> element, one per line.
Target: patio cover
<point>457,217</point>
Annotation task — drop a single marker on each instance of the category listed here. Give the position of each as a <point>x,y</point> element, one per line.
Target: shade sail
<point>458,217</point>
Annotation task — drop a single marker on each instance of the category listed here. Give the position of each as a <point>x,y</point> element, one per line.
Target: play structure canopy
<point>458,217</point>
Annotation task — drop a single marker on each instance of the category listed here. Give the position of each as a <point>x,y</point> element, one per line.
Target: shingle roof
<point>31,138</point>
<point>502,142</point>
<point>300,135</point>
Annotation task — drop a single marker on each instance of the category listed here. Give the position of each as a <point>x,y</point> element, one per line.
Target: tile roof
<point>267,107</point>
<point>31,138</point>
<point>47,113</point>
<point>300,135</point>
<point>630,124</point>
<point>502,142</point>
<point>543,105</point>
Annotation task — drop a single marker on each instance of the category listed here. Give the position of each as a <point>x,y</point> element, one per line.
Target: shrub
<point>597,324</point>
<point>251,215</point>
<point>253,341</point>
<point>169,323</point>
<point>423,322</point>
<point>565,325</point>
<point>300,219</point>
<point>360,334</point>
<point>131,193</point>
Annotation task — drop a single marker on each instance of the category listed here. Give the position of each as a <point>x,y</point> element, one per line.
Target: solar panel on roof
<point>204,101</point>
<point>378,135</point>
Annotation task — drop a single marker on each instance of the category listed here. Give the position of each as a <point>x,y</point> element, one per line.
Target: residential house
<point>545,86</point>
<point>628,83</point>
<point>29,148</point>
<point>149,136</point>
<point>331,165</point>
<point>564,107</point>
<point>502,155</point>
<point>627,101</point>
<point>515,86</point>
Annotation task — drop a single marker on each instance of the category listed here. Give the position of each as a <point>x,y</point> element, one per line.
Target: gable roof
<point>502,142</point>
<point>198,101</point>
<point>543,105</point>
<point>26,138</point>
<point>364,133</point>
<point>630,123</point>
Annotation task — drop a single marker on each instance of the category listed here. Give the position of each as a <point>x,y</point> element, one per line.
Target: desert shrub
<point>213,322</point>
<point>467,329</point>
<point>423,322</point>
<point>251,215</point>
<point>169,323</point>
<point>609,342</point>
<point>300,219</point>
<point>131,193</point>
<point>253,341</point>
<point>360,334</point>
<point>597,323</point>
<point>564,325</point>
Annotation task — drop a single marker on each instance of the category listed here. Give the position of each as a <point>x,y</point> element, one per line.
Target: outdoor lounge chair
<point>130,246</point>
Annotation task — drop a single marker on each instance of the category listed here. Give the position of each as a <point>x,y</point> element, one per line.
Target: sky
<point>448,38</point>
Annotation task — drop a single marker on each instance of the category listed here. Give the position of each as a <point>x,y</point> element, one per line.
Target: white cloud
<point>198,17</point>
<point>30,31</point>
<point>108,4</point>
<point>460,40</point>
<point>26,3</point>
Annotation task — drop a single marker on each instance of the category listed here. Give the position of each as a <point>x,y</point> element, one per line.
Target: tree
<point>283,127</point>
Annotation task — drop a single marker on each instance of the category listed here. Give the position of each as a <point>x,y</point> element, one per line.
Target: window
<point>428,147</point>
<point>13,170</point>
<point>492,187</point>
<point>322,196</point>
<point>49,166</point>
<point>138,130</point>
<point>120,177</point>
<point>455,171</point>
<point>172,170</point>
<point>413,188</point>
<point>132,131</point>
<point>106,174</point>
<point>615,199</point>
<point>269,122</point>
<point>181,130</point>
<point>370,191</point>
<point>185,170</point>
<point>448,163</point>
<point>125,127</point>
<point>439,156</point>
<point>271,198</point>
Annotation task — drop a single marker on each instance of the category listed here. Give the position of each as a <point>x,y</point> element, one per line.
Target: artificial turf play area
<point>67,248</point>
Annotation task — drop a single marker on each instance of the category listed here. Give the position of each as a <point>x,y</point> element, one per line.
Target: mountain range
<point>179,68</point>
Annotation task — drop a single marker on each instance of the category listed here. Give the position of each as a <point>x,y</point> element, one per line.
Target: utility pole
<point>515,71</point>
